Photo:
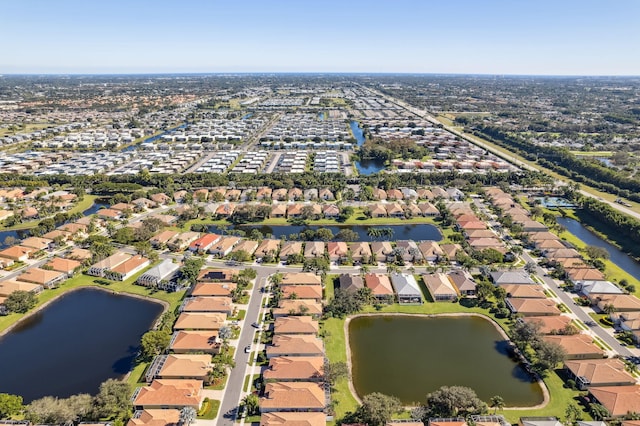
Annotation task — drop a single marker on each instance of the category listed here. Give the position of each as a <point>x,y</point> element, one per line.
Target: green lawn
<point>335,349</point>
<point>87,201</point>
<point>210,410</point>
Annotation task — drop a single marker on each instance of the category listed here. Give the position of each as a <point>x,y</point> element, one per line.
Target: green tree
<point>154,342</point>
<point>9,405</point>
<point>572,415</point>
<point>525,333</point>
<point>334,371</point>
<point>496,402</point>
<point>187,415</point>
<point>20,301</point>
<point>191,269</point>
<point>454,401</point>
<point>48,410</point>
<point>377,409</point>
<point>595,252</point>
<point>251,404</point>
<point>113,398</point>
<point>550,354</point>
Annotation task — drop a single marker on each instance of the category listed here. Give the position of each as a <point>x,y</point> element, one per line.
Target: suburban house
<point>310,291</point>
<point>294,368</point>
<point>247,246</point>
<point>8,287</point>
<point>532,307</point>
<point>99,268</point>
<point>439,286</point>
<point>204,243</point>
<point>298,307</point>
<point>599,372</point>
<point>155,417</point>
<point>296,325</point>
<point>618,400</point>
<point>216,275</point>
<point>160,276</point>
<point>200,321</point>
<point>207,304</point>
<point>17,253</point>
<point>278,211</point>
<point>83,255</point>
<point>224,246</point>
<point>331,211</point>
<point>359,251</point>
<point>169,393</point>
<point>179,366</point>
<point>295,345</point>
<point>409,249</point>
<point>351,283</point>
<point>292,396</point>
<point>43,277</point>
<point>523,291</point>
<point>288,418</point>
<point>127,268</point>
<point>213,289</point>
<point>290,248</point>
<point>191,341</point>
<point>381,250</point>
<point>463,282</point>
<point>577,346</point>
<point>597,287</point>
<point>510,277</point>
<point>267,247</point>
<point>377,210</point>
<point>550,324</point>
<point>300,278</point>
<point>37,243</point>
<point>406,288</point>
<point>430,250</point>
<point>621,302</point>
<point>182,241</point>
<point>67,266</point>
<point>163,238</point>
<point>313,249</point>
<point>337,250</point>
<point>380,286</point>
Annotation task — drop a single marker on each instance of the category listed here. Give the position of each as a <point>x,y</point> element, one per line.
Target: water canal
<point>409,356</point>
<point>74,344</point>
<point>416,232</point>
<point>617,256</point>
<point>364,167</point>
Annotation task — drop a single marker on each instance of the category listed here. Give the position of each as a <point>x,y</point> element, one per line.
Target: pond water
<point>410,356</point>
<point>17,235</point>
<point>416,232</point>
<point>369,166</point>
<point>94,208</point>
<point>357,132</point>
<point>555,202</point>
<point>617,256</point>
<point>80,340</point>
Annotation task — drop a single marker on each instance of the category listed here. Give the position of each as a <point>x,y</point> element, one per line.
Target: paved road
<point>577,311</point>
<point>228,407</point>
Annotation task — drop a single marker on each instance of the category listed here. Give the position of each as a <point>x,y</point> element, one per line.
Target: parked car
<point>247,349</point>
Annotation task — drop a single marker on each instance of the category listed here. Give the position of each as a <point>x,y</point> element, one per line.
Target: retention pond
<point>409,356</point>
<point>74,344</point>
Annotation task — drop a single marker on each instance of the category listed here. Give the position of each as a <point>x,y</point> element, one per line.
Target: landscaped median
<point>333,332</point>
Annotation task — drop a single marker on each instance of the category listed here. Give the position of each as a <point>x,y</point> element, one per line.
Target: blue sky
<point>552,37</point>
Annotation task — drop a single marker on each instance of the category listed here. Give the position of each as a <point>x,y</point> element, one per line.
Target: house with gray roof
<point>511,277</point>
<point>160,276</point>
<point>351,283</point>
<point>406,288</point>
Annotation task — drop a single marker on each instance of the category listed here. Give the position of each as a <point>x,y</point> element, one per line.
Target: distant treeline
<point>560,160</point>
<point>604,214</point>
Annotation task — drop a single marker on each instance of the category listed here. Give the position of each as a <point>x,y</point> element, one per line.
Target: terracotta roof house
<point>430,250</point>
<point>599,372</point>
<point>68,266</point>
<point>563,253</point>
<point>577,346</point>
<point>584,274</point>
<point>622,302</point>
<point>213,289</point>
<point>182,240</point>
<point>155,417</point>
<point>290,248</point>
<point>109,214</point>
<point>542,235</point>
<point>377,210</point>
<point>450,250</point>
<point>294,368</point>
<point>330,211</point>
<point>248,246</point>
<point>439,286</point>
<point>292,396</point>
<point>295,194</point>
<point>298,307</point>
<point>207,304</point>
<point>337,250</point>
<point>440,422</point>
<point>267,247</point>
<point>29,213</point>
<point>463,282</point>
<point>160,198</point>
<point>169,393</point>
<point>204,243</point>
<point>313,249</point>
<point>43,277</point>
<point>480,233</point>
<point>533,226</point>
<point>311,291</point>
<point>351,283</point>
<point>550,324</point>
<point>224,246</point>
<point>428,210</point>
<point>122,206</point>
<point>545,245</point>
<point>8,287</point>
<point>263,192</point>
<point>37,243</point>
<point>191,341</point>
<point>17,253</point>
<point>216,275</point>
<point>379,194</point>
<point>380,285</point>
<point>286,418</point>
<point>395,210</point>
<point>394,194</point>
<point>381,249</point>
<point>57,233</point>
<point>200,321</point>
<point>532,307</point>
<point>127,268</point>
<point>294,210</point>
<point>300,278</point>
<point>618,400</point>
<point>182,366</point>
<point>295,345</point>
<point>279,194</point>
<point>163,238</point>
<point>406,288</point>
<point>425,194</point>
<point>79,254</point>
<point>296,325</point>
<point>360,250</point>
<point>524,291</point>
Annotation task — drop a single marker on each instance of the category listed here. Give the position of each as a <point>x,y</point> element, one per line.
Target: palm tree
<point>364,269</point>
<point>609,309</point>
<point>187,415</point>
<point>497,402</point>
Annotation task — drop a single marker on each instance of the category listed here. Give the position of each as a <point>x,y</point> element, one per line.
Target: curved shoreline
<point>545,392</point>
<point>36,310</point>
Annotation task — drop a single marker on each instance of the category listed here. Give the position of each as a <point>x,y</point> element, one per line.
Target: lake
<point>94,208</point>
<point>410,356</point>
<point>617,256</point>
<point>368,166</point>
<point>74,344</point>
<point>416,232</point>
<point>17,234</point>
